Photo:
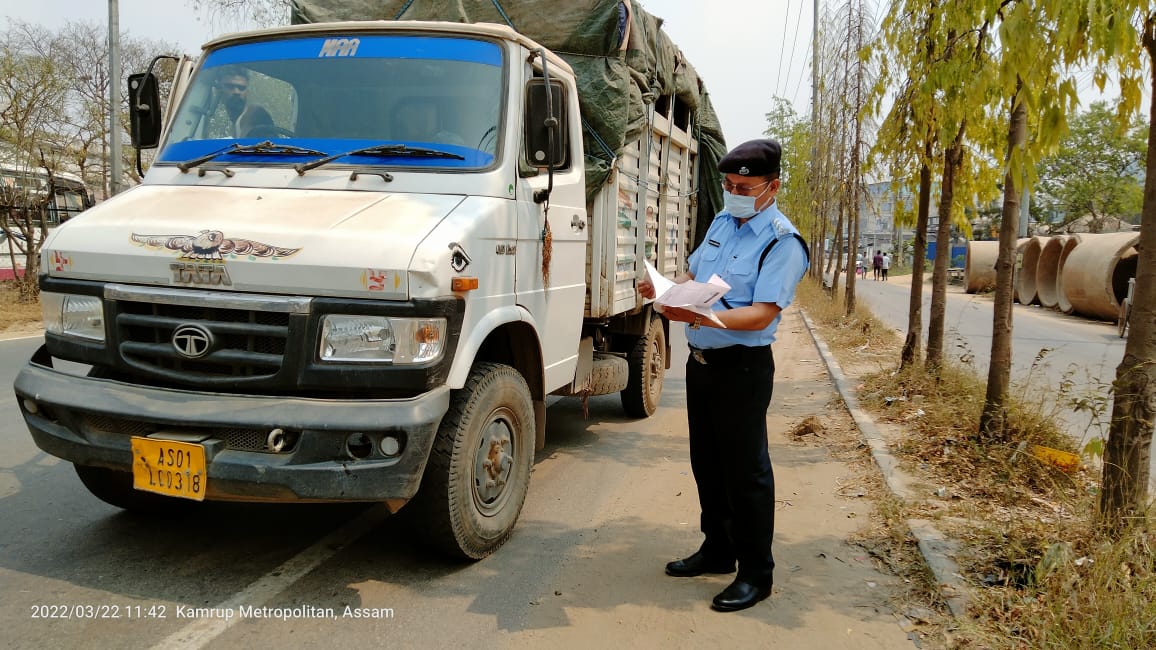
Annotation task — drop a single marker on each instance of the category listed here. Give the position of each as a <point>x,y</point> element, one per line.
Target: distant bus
<point>19,186</point>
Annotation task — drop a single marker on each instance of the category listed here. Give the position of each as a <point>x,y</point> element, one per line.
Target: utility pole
<point>814,77</point>
<point>114,174</point>
<point>1025,212</point>
<point>815,120</point>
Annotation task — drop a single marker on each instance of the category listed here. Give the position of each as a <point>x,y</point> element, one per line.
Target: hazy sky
<point>746,51</point>
<point>741,48</point>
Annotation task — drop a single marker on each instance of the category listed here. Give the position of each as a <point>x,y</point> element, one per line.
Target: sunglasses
<point>741,189</point>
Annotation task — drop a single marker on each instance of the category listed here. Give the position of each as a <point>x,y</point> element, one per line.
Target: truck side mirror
<point>545,116</point>
<point>144,115</point>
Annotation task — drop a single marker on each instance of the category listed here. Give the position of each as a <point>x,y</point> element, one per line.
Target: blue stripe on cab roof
<point>360,47</point>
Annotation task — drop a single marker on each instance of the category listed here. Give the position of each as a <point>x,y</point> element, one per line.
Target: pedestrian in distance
<point>730,373</point>
<point>886,264</point>
<point>877,265</point>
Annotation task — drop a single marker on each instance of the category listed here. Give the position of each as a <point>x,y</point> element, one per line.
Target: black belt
<point>731,354</point>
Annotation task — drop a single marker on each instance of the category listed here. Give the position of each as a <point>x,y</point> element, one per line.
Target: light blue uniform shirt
<point>732,251</point>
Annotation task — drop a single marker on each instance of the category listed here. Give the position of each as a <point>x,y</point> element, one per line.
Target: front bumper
<point>71,415</point>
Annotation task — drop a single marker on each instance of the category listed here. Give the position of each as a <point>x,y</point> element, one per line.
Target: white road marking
<point>21,338</point>
<point>199,633</point>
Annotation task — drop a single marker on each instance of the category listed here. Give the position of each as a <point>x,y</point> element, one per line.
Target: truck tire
<point>610,374</point>
<point>647,369</point>
<point>115,488</point>
<point>479,468</point>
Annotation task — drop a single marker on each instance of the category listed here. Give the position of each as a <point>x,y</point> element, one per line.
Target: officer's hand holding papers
<point>690,295</point>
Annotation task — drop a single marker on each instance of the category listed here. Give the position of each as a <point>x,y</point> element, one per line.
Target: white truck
<point>312,298</point>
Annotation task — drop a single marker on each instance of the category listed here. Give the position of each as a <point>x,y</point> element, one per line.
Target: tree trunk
<point>821,262</point>
<point>914,338</point>
<point>837,249</point>
<point>1124,491</point>
<point>852,236</point>
<point>817,241</point>
<point>952,158</point>
<point>856,144</point>
<point>994,415</point>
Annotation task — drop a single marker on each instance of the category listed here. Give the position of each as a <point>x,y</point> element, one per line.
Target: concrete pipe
<point>979,269</point>
<point>1047,278</point>
<point>1065,305</point>
<point>1025,281</point>
<point>1095,275</point>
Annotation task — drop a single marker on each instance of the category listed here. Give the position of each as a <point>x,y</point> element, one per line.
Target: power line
<point>800,84</point>
<point>779,73</point>
<point>794,42</point>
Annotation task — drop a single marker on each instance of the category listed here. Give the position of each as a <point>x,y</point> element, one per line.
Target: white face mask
<point>742,207</point>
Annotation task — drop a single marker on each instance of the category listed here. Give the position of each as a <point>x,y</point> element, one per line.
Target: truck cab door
<point>550,275</point>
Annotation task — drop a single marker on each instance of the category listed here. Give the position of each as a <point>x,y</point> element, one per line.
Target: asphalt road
<point>611,500</point>
<point>1049,349</point>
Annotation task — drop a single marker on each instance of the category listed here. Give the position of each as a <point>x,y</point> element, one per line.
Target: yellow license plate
<point>168,467</point>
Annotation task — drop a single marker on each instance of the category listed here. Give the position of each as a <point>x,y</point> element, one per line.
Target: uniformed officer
<point>730,373</point>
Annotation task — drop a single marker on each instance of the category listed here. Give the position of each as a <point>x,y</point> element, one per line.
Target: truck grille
<point>240,439</point>
<point>246,343</point>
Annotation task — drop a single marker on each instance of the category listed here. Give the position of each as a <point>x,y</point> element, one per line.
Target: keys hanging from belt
<point>697,354</point>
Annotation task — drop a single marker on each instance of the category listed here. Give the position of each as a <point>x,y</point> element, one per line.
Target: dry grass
<point>14,314</point>
<point>1042,572</point>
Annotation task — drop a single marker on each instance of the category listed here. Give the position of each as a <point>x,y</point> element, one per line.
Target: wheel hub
<point>493,465</point>
<point>656,370</point>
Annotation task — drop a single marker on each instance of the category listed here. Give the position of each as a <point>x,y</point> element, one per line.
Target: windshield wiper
<point>266,148</point>
<point>378,150</point>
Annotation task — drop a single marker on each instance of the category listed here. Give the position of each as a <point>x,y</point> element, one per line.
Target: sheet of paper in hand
<point>692,295</point>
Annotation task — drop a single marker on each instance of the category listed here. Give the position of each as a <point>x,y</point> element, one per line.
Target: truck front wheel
<point>647,369</point>
<point>479,469</point>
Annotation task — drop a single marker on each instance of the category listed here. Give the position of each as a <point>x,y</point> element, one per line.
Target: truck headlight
<point>381,338</point>
<point>72,315</point>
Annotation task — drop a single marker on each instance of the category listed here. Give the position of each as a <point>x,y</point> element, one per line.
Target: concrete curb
<point>933,545</point>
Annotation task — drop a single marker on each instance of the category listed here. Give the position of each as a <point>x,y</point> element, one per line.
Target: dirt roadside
<point>832,589</point>
<point>21,331</point>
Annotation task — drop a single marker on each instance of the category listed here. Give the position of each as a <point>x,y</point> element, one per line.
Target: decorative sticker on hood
<point>380,279</point>
<point>61,262</point>
<point>212,246</point>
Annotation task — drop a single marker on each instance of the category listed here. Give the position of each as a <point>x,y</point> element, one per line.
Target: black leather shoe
<point>740,595</point>
<point>698,564</point>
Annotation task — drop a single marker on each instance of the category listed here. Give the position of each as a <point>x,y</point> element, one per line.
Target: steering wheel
<point>269,131</point>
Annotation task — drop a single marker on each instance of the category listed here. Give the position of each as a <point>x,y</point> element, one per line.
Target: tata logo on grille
<point>192,341</point>
<point>209,274</point>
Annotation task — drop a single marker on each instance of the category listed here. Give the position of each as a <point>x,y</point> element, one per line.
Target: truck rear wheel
<point>647,369</point>
<point>479,469</point>
<point>115,488</point>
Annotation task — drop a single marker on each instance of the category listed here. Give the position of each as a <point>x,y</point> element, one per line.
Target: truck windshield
<point>335,94</point>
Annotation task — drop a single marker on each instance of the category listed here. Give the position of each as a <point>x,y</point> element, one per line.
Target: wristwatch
<point>697,321</point>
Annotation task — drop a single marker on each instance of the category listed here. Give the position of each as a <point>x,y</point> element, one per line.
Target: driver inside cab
<point>416,119</point>
<point>245,120</point>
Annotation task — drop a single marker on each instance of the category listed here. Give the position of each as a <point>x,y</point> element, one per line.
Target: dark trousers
<point>727,401</point>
